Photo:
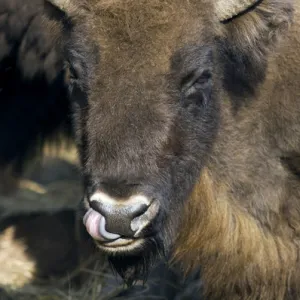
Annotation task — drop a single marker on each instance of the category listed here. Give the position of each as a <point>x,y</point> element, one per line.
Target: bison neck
<point>241,256</point>
<point>243,218</point>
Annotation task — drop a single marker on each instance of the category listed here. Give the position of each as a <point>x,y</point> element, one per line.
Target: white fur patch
<point>106,199</point>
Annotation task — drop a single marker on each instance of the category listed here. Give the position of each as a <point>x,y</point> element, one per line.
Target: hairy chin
<point>136,266</point>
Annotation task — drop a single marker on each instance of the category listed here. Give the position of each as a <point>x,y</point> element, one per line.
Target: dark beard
<point>136,267</point>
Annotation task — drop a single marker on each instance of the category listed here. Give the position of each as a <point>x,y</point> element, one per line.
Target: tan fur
<point>224,9</point>
<point>236,253</point>
<point>242,222</point>
<point>154,27</point>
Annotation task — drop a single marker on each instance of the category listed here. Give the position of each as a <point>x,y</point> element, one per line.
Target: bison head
<point>146,80</point>
<point>147,122</point>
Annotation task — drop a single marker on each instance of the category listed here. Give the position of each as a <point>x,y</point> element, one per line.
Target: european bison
<point>187,121</point>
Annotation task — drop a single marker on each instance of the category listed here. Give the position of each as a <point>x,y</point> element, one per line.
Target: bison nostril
<point>107,235</point>
<point>119,215</point>
<point>138,210</point>
<point>141,221</point>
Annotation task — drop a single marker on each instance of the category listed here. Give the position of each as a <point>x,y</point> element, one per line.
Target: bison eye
<point>197,87</point>
<point>197,82</point>
<point>72,72</point>
<point>203,80</point>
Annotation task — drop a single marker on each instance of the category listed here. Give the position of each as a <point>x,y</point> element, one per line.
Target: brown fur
<point>243,233</point>
<point>155,27</point>
<point>240,258</point>
<point>242,223</point>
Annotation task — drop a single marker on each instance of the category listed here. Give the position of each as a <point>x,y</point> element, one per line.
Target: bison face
<point>146,79</point>
<point>146,115</point>
<point>147,135</point>
<point>145,88</point>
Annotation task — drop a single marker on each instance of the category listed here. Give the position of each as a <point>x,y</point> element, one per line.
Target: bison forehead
<point>143,34</point>
<point>133,105</point>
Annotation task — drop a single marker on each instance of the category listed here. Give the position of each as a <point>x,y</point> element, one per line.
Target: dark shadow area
<point>55,250</point>
<point>48,239</point>
<point>165,284</point>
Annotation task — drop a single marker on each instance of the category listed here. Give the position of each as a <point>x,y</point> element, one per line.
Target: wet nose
<point>121,217</point>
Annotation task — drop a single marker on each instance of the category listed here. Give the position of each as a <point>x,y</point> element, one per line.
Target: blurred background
<point>45,252</point>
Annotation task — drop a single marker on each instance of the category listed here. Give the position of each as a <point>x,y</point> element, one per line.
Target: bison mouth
<point>121,229</point>
<point>107,241</point>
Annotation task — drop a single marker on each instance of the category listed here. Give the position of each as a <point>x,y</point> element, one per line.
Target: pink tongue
<point>95,225</point>
<point>92,223</point>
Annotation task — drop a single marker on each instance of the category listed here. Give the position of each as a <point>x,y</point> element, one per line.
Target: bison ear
<point>249,32</point>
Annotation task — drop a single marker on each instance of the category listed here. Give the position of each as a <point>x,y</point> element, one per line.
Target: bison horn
<point>227,9</point>
<point>61,4</point>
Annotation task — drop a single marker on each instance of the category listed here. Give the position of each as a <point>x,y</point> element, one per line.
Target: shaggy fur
<point>241,258</point>
<point>244,230</point>
<point>199,111</point>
